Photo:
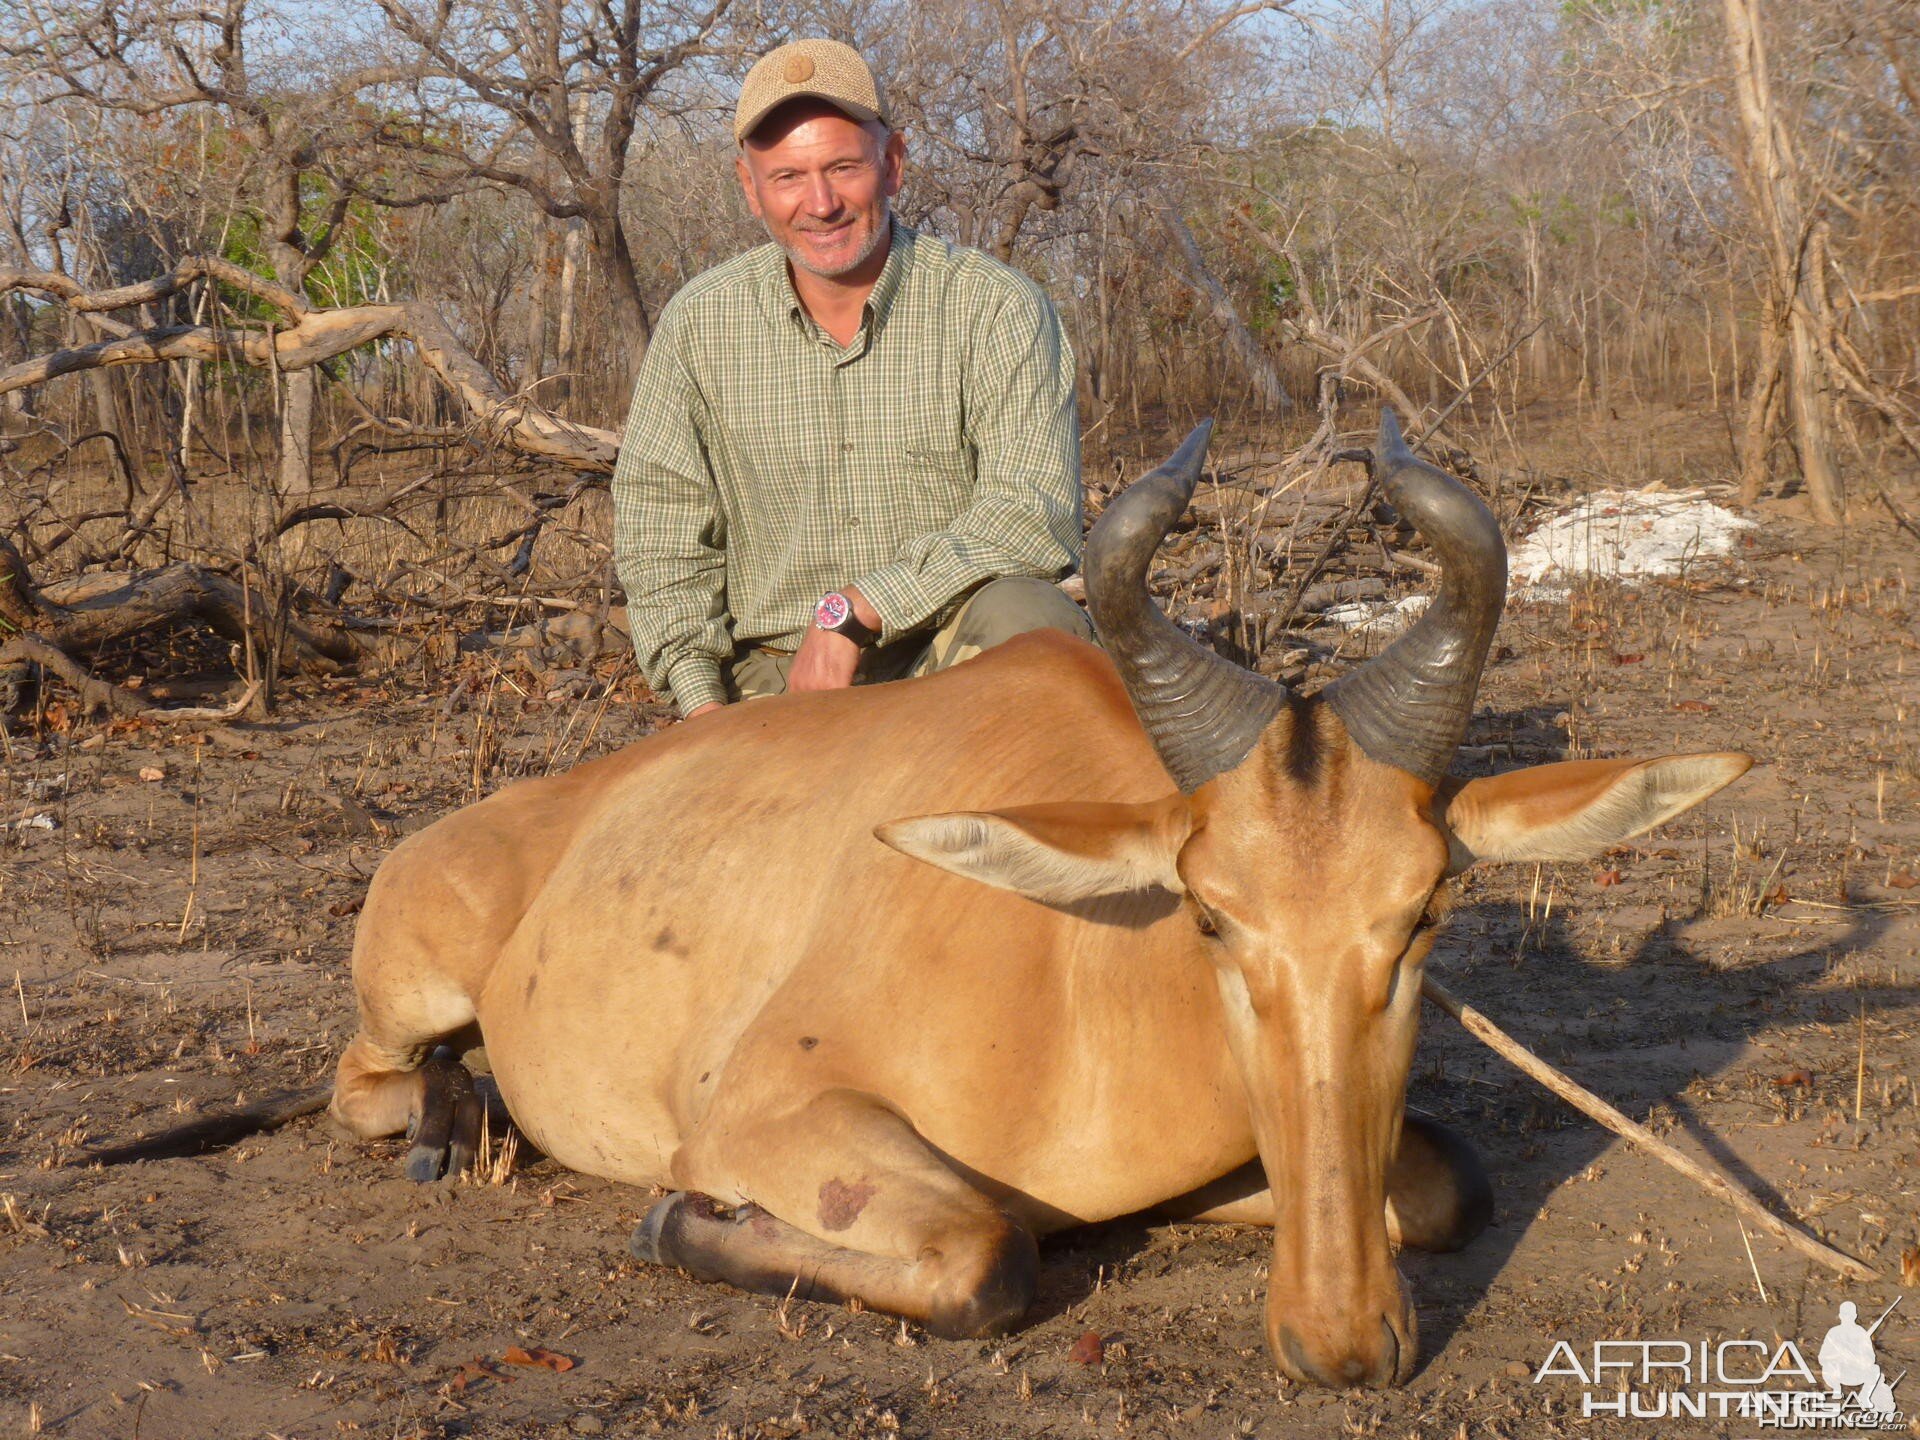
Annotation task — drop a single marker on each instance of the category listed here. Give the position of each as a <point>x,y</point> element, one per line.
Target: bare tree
<point>559,96</point>
<point>1790,353</point>
<point>140,58</point>
<point>1010,99</point>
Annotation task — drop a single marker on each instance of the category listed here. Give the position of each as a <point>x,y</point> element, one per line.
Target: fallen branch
<point>206,712</point>
<point>1592,1106</point>
<point>95,694</point>
<point>311,336</point>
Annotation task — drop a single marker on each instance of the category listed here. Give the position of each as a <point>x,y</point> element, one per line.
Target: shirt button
<point>847,446</point>
<point>853,519</point>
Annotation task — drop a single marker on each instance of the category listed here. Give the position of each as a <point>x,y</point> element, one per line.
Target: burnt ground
<point>176,910</point>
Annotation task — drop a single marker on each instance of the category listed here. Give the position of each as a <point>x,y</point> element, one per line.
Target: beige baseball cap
<point>823,69</point>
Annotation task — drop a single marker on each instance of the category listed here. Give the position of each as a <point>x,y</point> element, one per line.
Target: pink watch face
<point>832,611</point>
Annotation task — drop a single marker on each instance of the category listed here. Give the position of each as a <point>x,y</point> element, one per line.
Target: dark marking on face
<point>807,1042</point>
<point>1303,753</point>
<point>706,1076</point>
<point>533,983</point>
<point>540,954</point>
<point>841,1203</point>
<point>624,882</point>
<point>666,942</point>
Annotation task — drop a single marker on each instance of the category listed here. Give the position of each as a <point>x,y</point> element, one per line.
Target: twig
<point>1752,1263</point>
<point>1422,432</point>
<point>1339,533</point>
<point>1592,1106</point>
<point>1899,515</point>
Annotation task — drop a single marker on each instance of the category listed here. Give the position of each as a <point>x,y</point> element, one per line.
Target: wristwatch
<point>835,613</point>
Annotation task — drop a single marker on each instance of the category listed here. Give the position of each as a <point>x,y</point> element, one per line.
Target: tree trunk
<point>106,413</point>
<point>632,326</point>
<point>567,338</point>
<point>296,432</point>
<point>1756,441</point>
<point>1772,183</point>
<point>538,301</point>
<point>1811,410</point>
<point>297,388</point>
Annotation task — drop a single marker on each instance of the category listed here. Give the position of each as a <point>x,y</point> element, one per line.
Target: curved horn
<point>1409,705</point>
<point>1203,713</point>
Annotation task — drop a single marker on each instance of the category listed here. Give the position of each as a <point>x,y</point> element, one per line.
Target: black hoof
<point>446,1133</point>
<point>1439,1187</point>
<point>645,1242</point>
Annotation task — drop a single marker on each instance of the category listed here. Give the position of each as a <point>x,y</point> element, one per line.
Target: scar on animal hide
<point>533,983</point>
<point>841,1203</point>
<point>666,940</point>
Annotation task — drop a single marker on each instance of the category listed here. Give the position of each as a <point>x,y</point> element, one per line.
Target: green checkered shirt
<point>764,465</point>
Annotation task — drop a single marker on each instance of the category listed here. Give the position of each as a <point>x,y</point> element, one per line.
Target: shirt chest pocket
<point>935,446</point>
<point>938,476</point>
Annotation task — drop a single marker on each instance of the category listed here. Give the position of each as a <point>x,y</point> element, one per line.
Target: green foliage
<point>1558,216</point>
<point>354,267</point>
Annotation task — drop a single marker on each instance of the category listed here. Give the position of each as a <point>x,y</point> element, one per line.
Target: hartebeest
<point>888,982</point>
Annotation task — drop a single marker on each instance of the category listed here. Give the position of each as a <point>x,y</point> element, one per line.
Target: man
<point>852,454</point>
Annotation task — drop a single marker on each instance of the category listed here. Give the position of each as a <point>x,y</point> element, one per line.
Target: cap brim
<point>745,125</point>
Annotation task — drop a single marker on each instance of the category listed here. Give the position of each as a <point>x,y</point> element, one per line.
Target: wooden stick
<point>207,712</point>
<point>1591,1105</point>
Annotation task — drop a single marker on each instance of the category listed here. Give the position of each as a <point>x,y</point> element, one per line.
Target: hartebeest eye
<point>1204,918</point>
<point>1439,904</point>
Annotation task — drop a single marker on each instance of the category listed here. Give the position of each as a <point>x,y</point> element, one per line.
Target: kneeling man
<point>852,453</point>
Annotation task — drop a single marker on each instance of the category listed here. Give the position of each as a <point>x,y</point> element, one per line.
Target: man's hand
<point>826,661</point>
<point>697,711</point>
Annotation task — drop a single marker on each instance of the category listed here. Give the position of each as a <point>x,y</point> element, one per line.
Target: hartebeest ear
<point>1054,853</point>
<point>1575,810</point>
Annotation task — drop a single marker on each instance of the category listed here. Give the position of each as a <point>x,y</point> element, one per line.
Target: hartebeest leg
<point>378,1092</point>
<point>1438,1195</point>
<point>849,1201</point>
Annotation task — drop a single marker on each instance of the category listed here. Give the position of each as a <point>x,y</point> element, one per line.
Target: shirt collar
<point>784,301</point>
<point>892,275</point>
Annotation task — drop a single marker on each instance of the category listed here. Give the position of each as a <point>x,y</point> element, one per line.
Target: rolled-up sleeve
<point>669,534</point>
<point>1024,516</point>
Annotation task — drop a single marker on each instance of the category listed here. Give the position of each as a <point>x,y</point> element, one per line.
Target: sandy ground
<point>1746,978</point>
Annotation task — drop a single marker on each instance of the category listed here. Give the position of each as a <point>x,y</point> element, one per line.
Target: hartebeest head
<point>1309,839</point>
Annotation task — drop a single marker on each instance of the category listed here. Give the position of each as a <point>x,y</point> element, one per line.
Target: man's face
<point>820,182</point>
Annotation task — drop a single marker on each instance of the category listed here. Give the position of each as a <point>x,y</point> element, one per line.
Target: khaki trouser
<point>997,611</point>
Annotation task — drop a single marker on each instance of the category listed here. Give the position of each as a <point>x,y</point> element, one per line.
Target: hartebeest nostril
<point>1293,1357</point>
<point>1389,1371</point>
<point>1356,1368</point>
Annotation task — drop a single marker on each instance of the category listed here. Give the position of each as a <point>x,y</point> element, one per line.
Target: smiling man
<point>852,453</point>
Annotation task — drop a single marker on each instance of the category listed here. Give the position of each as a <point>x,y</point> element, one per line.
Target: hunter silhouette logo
<point>1847,1365</point>
<point>1768,1383</point>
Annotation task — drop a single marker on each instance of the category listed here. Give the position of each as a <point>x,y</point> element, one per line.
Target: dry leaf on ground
<point>1089,1349</point>
<point>544,1359</point>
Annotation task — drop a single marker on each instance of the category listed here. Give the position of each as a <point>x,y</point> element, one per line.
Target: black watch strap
<point>856,632</point>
